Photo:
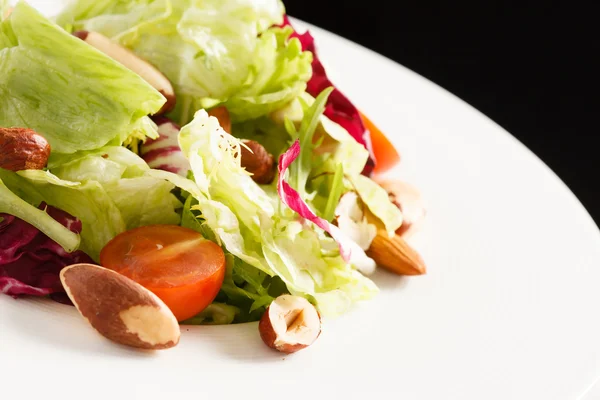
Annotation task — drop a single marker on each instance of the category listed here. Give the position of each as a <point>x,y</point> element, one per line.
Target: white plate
<point>508,309</point>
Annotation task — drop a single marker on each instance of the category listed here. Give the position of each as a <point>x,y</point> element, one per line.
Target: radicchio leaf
<point>30,262</point>
<point>164,152</point>
<point>339,108</point>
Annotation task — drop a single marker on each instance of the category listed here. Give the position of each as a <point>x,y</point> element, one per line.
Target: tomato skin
<point>177,264</point>
<point>188,301</point>
<point>386,155</point>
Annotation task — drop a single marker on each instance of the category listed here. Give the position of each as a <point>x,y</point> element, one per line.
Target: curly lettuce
<point>267,239</point>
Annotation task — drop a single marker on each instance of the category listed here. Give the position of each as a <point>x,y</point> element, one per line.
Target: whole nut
<point>290,324</point>
<point>395,255</point>
<point>22,148</point>
<point>128,59</point>
<point>119,308</point>
<point>257,160</point>
<point>222,114</point>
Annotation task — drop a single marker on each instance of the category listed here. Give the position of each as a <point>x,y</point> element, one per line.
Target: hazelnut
<point>257,160</point>
<point>289,324</point>
<point>222,114</point>
<point>22,148</point>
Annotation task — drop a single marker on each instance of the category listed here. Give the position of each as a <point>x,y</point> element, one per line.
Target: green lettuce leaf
<point>110,190</point>
<point>280,72</point>
<point>69,92</point>
<point>89,201</point>
<point>141,198</point>
<point>272,136</point>
<point>4,4</point>
<point>332,147</point>
<point>377,199</point>
<point>296,254</point>
<point>266,242</point>
<point>104,165</point>
<point>249,289</point>
<point>214,314</point>
<point>12,204</point>
<point>144,201</point>
<point>213,51</point>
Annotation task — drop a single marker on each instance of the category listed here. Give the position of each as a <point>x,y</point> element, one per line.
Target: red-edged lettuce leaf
<point>339,109</point>
<point>30,262</point>
<point>349,250</point>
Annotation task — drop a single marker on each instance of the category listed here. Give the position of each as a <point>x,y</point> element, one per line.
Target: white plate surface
<point>508,309</point>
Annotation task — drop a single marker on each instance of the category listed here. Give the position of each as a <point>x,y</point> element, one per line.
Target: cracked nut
<point>257,160</point>
<point>119,308</point>
<point>290,323</point>
<point>22,148</point>
<point>128,59</point>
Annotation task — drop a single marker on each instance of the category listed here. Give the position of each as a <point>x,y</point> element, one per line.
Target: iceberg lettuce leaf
<point>214,52</point>
<point>72,94</point>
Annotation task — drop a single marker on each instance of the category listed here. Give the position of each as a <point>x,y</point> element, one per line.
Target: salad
<point>167,162</point>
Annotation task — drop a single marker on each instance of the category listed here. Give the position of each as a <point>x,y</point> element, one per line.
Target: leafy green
<point>280,71</point>
<point>272,136</point>
<point>266,243</point>
<point>109,189</point>
<point>141,199</point>
<point>191,218</point>
<point>145,201</point>
<point>300,169</point>
<point>336,192</point>
<point>246,287</point>
<point>296,254</point>
<point>4,4</point>
<point>214,314</point>
<point>89,201</point>
<point>213,51</point>
<point>334,148</point>
<point>377,199</point>
<point>72,94</point>
<point>107,164</point>
<point>12,204</point>
<point>221,221</point>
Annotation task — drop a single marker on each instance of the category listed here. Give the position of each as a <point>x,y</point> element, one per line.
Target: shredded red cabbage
<point>30,262</point>
<point>338,108</point>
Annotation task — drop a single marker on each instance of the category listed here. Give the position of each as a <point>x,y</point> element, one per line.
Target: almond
<point>257,160</point>
<point>119,308</point>
<point>290,324</point>
<point>22,148</point>
<point>222,114</point>
<point>128,59</point>
<point>395,255</point>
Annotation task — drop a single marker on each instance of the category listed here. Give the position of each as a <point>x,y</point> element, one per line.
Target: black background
<point>528,66</point>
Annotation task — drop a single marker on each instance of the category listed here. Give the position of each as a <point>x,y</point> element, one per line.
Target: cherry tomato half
<point>385,153</point>
<point>179,265</point>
